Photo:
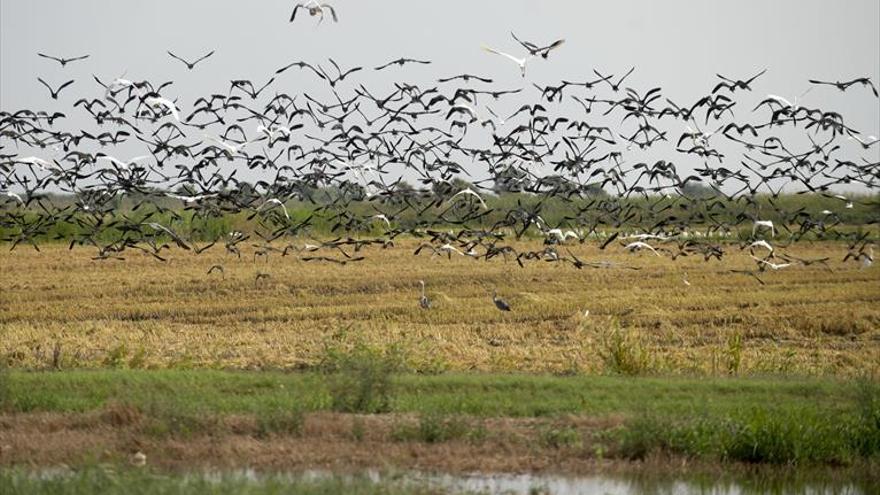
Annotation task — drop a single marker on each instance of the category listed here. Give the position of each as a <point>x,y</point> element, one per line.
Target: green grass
<point>109,481</point>
<point>483,395</point>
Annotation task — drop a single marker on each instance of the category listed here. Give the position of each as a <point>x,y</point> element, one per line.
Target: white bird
<point>521,62</point>
<point>866,143</point>
<point>12,195</point>
<point>118,84</point>
<point>775,266</point>
<point>278,203</point>
<point>762,243</point>
<point>38,162</point>
<point>191,199</point>
<point>155,101</point>
<point>120,163</point>
<point>383,218</point>
<point>638,245</point>
<point>468,192</point>
<point>562,236</point>
<point>449,249</point>
<point>768,224</point>
<point>230,148</point>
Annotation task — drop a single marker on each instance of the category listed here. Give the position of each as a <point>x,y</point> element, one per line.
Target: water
<point>546,484</point>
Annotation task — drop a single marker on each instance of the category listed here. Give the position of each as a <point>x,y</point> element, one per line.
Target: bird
<point>533,49</point>
<point>844,85</point>
<point>639,245</point>
<point>315,9</point>
<point>499,303</point>
<point>468,192</point>
<point>768,264</point>
<point>424,302</point>
<point>278,204</point>
<point>401,61</point>
<point>138,459</point>
<point>521,62</point>
<point>63,61</point>
<point>762,243</point>
<point>157,102</point>
<point>217,268</point>
<point>191,65</point>
<point>54,93</point>
<point>767,224</point>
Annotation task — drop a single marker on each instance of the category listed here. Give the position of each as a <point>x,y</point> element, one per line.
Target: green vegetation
<point>104,480</point>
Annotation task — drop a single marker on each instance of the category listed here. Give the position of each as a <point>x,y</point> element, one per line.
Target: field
<point>681,368</point>
<point>60,309</point>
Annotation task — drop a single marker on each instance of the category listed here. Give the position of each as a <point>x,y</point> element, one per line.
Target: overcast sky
<point>678,45</point>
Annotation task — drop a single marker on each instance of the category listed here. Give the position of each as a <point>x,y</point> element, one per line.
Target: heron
<point>424,302</point>
<point>501,304</point>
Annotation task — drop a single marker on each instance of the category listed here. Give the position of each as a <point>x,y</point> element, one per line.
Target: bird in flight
<point>533,49</point>
<point>191,65</point>
<point>315,9</point>
<point>54,93</point>
<point>63,61</point>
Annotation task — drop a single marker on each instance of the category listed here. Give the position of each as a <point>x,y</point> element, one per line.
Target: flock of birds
<point>347,158</point>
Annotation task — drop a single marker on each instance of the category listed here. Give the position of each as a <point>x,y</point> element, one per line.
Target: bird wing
<point>178,58</point>
<point>50,57</point>
<point>332,11</point>
<point>203,57</point>
<point>46,84</point>
<point>293,14</point>
<point>511,57</point>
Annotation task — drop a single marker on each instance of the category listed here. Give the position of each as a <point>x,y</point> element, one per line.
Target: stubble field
<point>61,309</point>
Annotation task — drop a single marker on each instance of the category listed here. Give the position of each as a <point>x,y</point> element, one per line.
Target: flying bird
<point>54,93</point>
<point>191,65</point>
<point>533,49</point>
<point>521,62</point>
<point>315,9</point>
<point>63,61</point>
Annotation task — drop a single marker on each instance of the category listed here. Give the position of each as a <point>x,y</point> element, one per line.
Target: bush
<point>359,380</point>
<point>280,422</point>
<point>623,353</point>
<point>436,428</point>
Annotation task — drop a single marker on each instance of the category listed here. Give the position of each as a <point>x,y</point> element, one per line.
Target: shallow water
<point>531,484</point>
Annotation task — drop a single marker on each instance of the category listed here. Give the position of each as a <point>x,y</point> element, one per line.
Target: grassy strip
<point>484,395</point>
<point>108,481</point>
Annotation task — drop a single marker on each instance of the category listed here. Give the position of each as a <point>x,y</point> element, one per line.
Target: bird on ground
<point>424,302</point>
<point>63,61</point>
<point>501,304</point>
<point>191,65</point>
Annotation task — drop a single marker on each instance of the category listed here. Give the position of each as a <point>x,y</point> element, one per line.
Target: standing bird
<point>499,303</point>
<point>424,302</point>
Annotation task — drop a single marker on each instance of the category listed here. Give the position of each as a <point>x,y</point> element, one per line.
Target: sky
<point>679,45</point>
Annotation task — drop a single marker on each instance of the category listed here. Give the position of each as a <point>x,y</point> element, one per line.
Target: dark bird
<point>533,49</point>
<point>63,61</point>
<point>732,85</point>
<point>499,303</point>
<point>54,93</point>
<point>844,85</point>
<point>191,65</point>
<point>402,61</point>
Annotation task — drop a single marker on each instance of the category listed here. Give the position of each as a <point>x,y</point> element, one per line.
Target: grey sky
<point>678,45</point>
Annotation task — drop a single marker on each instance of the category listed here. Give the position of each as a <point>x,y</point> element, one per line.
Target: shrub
<point>359,380</point>
<point>623,353</point>
<point>280,422</point>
